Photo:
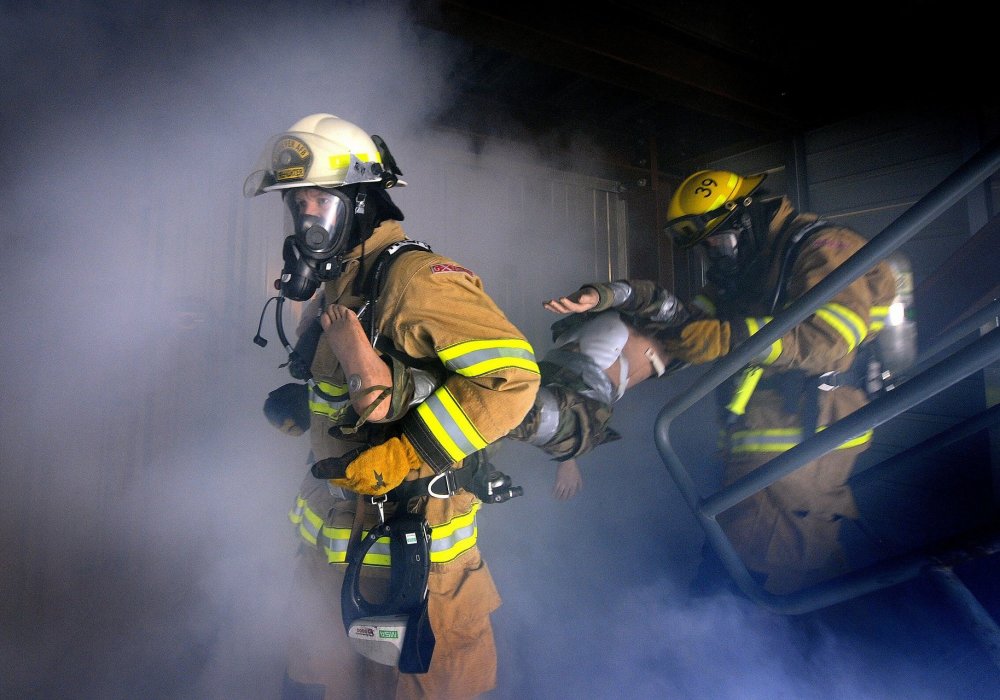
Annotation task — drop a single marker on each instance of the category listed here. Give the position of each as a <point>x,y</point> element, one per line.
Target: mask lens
<point>722,245</point>
<point>320,218</point>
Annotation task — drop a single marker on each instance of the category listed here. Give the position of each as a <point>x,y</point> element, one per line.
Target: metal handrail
<point>940,376</point>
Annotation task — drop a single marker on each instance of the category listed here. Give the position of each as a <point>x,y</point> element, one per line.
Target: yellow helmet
<point>704,201</point>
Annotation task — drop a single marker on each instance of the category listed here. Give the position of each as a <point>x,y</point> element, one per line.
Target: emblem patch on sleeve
<point>447,267</point>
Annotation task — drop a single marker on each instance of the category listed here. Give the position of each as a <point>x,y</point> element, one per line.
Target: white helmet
<point>322,150</point>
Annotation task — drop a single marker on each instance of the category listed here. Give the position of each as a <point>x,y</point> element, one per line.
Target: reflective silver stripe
<point>476,357</point>
<point>436,408</point>
<point>585,368</point>
<point>338,546</point>
<point>448,540</point>
<point>334,410</point>
<point>460,534</point>
<point>847,323</point>
<point>548,417</point>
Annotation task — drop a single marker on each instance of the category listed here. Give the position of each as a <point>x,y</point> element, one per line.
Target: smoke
<point>143,499</point>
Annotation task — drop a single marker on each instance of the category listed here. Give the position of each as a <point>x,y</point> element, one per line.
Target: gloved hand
<point>287,408</point>
<point>701,341</point>
<point>374,471</point>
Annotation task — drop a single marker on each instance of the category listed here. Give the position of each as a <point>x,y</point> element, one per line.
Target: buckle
<point>828,381</point>
<point>449,480</point>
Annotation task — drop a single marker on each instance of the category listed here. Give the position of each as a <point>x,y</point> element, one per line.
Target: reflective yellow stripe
<point>295,514</point>
<point>310,525</point>
<point>342,160</point>
<point>448,540</point>
<point>848,324</point>
<point>458,535</point>
<point>782,440</point>
<point>705,304</point>
<point>754,325</point>
<point>876,318</point>
<point>334,410</point>
<point>744,390</point>
<point>477,357</point>
<point>449,425</point>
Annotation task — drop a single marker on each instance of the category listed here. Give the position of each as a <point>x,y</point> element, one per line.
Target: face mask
<point>722,251</point>
<point>322,220</point>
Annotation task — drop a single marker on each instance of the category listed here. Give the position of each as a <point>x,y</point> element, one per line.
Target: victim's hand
<point>579,301</point>
<point>569,481</point>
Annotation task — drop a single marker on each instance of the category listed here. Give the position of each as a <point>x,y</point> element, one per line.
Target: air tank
<point>897,341</point>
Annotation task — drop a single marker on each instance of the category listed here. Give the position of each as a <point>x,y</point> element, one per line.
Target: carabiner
<point>449,480</point>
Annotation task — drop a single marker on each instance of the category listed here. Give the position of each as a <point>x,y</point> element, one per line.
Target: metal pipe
<point>982,625</point>
<point>953,335</point>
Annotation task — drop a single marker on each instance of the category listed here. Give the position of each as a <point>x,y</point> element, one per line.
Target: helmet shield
<point>299,159</point>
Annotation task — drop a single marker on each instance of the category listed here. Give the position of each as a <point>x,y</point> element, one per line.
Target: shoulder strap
<point>376,276</point>
<point>790,253</point>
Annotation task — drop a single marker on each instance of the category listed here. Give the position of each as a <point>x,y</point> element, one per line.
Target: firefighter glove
<point>379,469</point>
<point>699,342</point>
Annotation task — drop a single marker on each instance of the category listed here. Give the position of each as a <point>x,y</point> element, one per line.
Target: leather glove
<point>373,471</point>
<point>701,341</point>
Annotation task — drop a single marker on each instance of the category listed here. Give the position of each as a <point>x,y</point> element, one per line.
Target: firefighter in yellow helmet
<point>417,370</point>
<point>762,255</point>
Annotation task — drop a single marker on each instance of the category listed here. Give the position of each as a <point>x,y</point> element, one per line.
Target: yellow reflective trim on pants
<point>449,425</point>
<point>448,540</point>
<point>335,541</point>
<point>458,535</point>
<point>781,440</point>
<point>848,324</point>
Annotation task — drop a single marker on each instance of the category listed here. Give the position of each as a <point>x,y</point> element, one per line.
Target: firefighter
<point>448,375</point>
<point>763,255</point>
<point>595,358</point>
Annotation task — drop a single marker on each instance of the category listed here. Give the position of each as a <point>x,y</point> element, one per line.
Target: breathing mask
<point>323,220</point>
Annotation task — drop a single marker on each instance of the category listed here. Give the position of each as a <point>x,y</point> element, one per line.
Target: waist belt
<point>439,486</point>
